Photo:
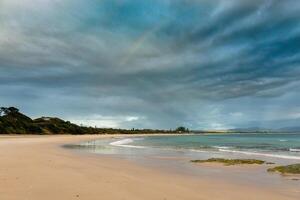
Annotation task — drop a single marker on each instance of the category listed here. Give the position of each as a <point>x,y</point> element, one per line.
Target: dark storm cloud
<point>124,63</point>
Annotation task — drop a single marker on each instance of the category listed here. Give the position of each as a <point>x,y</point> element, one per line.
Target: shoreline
<point>129,141</point>
<point>38,167</point>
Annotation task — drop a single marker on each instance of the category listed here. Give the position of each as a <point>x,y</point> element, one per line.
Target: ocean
<point>274,147</point>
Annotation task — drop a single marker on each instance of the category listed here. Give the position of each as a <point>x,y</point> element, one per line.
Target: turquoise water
<point>272,142</point>
<point>285,146</point>
<point>273,146</point>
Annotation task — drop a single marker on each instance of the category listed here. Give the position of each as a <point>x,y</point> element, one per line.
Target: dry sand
<point>38,168</point>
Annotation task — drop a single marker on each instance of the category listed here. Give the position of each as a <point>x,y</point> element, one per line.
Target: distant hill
<point>290,129</point>
<point>266,130</point>
<point>250,129</point>
<point>14,122</point>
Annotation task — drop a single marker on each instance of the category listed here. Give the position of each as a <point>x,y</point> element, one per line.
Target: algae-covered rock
<point>288,169</point>
<point>228,162</point>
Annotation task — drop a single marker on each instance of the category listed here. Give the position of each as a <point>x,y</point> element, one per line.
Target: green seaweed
<point>270,163</point>
<point>229,162</point>
<point>288,169</point>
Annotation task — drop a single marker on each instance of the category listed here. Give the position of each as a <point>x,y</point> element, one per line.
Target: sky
<point>203,64</point>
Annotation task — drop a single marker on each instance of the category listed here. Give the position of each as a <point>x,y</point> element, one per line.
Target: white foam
<point>283,140</point>
<point>124,143</point>
<point>199,151</point>
<point>262,154</point>
<point>221,147</point>
<point>295,150</point>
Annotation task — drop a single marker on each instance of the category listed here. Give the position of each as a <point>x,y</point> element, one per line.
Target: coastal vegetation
<point>12,121</point>
<point>288,169</point>
<point>182,129</point>
<point>228,162</point>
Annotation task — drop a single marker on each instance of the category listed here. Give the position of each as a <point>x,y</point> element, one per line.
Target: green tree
<point>182,129</point>
<point>8,110</point>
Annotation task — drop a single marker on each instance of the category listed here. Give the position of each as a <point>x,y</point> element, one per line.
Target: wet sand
<point>38,168</point>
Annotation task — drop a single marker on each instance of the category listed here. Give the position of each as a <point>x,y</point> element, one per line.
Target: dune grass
<point>228,162</point>
<point>288,169</point>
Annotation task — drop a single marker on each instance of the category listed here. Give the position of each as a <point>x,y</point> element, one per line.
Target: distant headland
<point>12,121</point>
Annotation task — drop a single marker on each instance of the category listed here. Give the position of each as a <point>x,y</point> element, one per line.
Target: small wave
<point>262,154</point>
<point>196,150</point>
<point>125,142</point>
<point>283,140</point>
<point>221,147</point>
<point>295,150</point>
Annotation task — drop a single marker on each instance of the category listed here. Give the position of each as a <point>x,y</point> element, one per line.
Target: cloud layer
<point>153,63</point>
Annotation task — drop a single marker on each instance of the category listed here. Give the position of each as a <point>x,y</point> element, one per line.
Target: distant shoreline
<point>12,121</point>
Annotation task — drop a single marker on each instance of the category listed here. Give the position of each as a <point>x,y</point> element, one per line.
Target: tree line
<point>12,121</point>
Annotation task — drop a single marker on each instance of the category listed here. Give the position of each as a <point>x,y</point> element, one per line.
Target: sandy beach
<point>38,168</point>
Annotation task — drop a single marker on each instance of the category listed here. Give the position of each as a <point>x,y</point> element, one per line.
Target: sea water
<point>283,147</point>
<point>271,145</point>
